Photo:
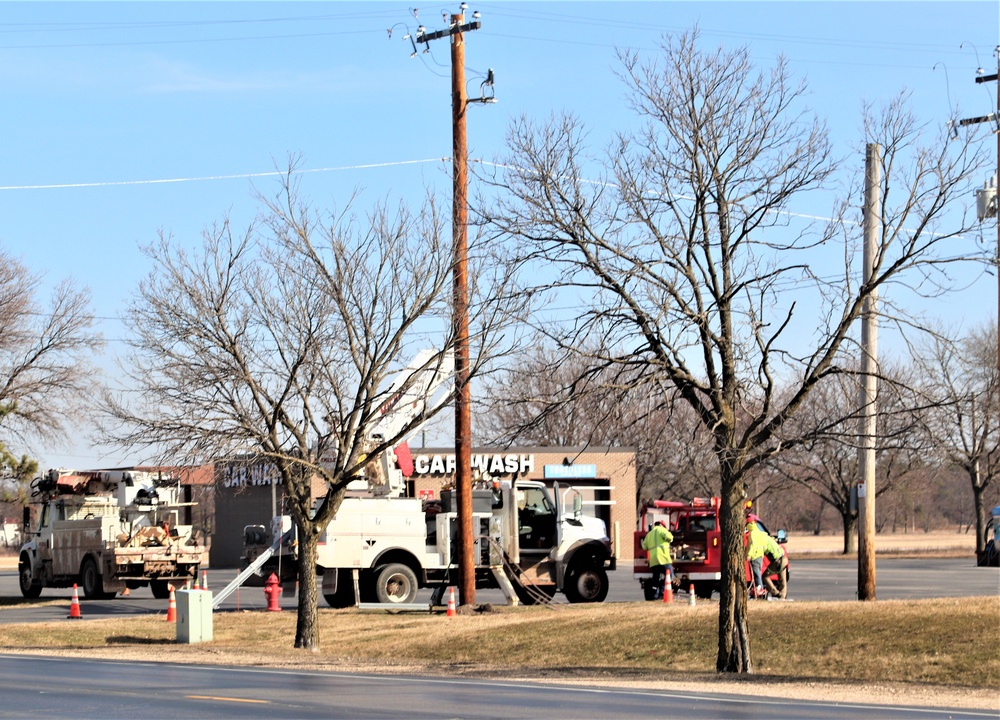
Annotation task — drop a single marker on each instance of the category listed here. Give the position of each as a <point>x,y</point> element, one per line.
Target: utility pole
<point>460,310</point>
<point>869,378</point>
<point>987,198</point>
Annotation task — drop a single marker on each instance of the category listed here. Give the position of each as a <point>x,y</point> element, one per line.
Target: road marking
<point>227,699</point>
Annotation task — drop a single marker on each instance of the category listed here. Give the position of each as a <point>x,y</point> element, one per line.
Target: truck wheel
<point>586,585</point>
<point>343,596</point>
<point>395,583</point>
<point>29,589</point>
<point>90,580</point>
<point>160,589</point>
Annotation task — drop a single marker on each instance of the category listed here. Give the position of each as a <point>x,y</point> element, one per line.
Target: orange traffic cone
<point>74,606</point>
<point>204,579</point>
<point>451,602</point>
<point>668,588</point>
<point>196,582</point>
<point>691,600</point>
<point>126,592</point>
<point>172,606</point>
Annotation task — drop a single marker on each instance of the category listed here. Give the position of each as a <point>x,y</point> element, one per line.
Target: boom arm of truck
<point>418,390</point>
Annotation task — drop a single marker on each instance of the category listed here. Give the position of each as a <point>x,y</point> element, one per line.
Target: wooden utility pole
<point>995,119</point>
<point>460,311</point>
<point>869,378</point>
<point>460,237</point>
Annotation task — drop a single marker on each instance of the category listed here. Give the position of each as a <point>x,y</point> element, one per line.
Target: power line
<point>237,176</point>
<point>137,24</point>
<point>522,12</point>
<point>344,168</point>
<point>129,43</point>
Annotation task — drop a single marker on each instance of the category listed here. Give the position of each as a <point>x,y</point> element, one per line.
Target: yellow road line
<point>226,699</point>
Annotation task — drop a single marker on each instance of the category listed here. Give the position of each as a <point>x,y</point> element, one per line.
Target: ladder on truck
<point>251,569</point>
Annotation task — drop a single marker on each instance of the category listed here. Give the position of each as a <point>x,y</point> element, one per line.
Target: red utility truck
<point>696,548</point>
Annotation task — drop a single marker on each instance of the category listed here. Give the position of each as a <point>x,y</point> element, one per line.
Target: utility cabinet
<point>194,616</point>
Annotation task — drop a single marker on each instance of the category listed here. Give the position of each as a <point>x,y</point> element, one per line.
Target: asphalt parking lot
<point>811,579</point>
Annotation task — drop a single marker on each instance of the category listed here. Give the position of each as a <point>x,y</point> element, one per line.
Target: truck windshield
<point>536,501</point>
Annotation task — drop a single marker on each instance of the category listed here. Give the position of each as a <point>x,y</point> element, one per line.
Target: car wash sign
<point>490,465</point>
<point>241,474</point>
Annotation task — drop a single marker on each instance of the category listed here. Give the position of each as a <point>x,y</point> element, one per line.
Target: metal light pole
<point>869,379</point>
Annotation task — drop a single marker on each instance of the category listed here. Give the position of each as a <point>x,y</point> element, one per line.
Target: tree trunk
<point>818,527</point>
<point>307,625</point>
<point>734,634</point>
<point>977,505</point>
<point>850,521</point>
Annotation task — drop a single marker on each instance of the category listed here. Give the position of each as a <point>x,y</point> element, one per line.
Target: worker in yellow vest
<point>756,544</point>
<point>657,542</point>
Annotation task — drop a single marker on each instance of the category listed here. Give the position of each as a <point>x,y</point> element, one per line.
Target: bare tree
<point>46,373</point>
<point>959,378</point>
<point>690,267</point>
<point>552,396</point>
<point>826,461</point>
<point>276,344</point>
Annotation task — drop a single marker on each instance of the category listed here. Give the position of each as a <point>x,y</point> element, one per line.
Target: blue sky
<point>100,99</point>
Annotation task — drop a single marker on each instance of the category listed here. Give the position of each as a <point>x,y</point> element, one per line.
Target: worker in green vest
<point>657,542</point>
<point>777,567</point>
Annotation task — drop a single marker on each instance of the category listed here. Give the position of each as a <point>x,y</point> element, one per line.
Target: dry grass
<point>939,543</point>
<point>935,642</point>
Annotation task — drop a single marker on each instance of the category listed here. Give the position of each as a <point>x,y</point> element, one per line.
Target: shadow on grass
<point>136,640</point>
<point>25,602</point>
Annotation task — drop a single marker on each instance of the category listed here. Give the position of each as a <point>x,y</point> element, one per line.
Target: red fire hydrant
<point>272,590</point>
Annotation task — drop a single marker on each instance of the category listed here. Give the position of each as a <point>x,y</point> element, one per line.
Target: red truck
<point>697,545</point>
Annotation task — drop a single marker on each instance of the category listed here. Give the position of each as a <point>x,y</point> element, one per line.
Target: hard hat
<point>751,518</point>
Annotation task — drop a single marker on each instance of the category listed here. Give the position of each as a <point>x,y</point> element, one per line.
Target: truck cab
<point>556,546</point>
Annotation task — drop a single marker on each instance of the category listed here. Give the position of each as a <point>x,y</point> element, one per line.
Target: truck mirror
<point>27,519</point>
<point>782,537</point>
<point>577,505</point>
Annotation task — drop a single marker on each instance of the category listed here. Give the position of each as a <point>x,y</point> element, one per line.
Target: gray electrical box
<point>986,200</point>
<point>194,616</point>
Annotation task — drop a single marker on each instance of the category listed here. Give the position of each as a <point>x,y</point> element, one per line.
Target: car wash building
<point>246,493</point>
<point>601,475</point>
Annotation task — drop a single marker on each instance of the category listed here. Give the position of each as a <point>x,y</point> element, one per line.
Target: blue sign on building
<point>559,472</point>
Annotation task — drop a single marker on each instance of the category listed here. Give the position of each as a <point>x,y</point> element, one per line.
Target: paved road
<point>811,580</point>
<point>82,689</point>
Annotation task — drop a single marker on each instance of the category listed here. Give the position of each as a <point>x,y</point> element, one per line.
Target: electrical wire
<point>236,176</point>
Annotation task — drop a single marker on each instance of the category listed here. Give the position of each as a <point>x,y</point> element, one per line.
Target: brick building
<point>245,495</point>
